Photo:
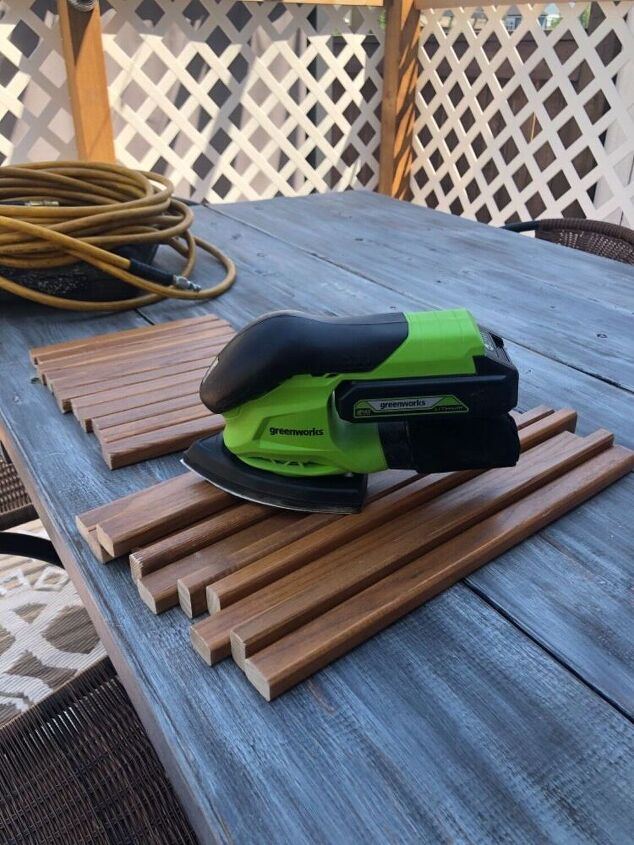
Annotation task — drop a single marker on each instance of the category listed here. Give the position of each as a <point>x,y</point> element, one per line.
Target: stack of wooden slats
<point>286,593</point>
<point>137,390</point>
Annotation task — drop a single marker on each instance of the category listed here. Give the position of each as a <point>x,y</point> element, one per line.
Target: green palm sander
<point>314,404</point>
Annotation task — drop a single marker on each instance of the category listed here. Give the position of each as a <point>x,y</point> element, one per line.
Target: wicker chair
<point>605,239</point>
<point>79,768</point>
<point>15,505</point>
<point>15,509</point>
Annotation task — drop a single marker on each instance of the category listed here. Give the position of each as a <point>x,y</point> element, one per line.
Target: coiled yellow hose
<point>72,211</point>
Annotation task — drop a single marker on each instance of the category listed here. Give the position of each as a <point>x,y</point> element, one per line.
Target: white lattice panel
<point>231,100</point>
<point>35,118</point>
<point>246,100</point>
<point>527,112</point>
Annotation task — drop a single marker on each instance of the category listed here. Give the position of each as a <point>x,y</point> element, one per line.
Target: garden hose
<point>54,214</point>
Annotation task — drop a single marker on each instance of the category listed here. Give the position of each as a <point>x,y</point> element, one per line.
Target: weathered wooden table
<point>499,712</point>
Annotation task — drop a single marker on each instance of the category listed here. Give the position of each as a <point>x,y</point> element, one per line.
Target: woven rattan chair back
<point>78,768</point>
<point>605,239</point>
<point>15,505</point>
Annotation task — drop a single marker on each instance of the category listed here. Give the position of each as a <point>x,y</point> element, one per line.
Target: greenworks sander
<point>314,404</point>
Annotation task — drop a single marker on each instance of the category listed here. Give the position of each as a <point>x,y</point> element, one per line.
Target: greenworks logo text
<point>298,432</point>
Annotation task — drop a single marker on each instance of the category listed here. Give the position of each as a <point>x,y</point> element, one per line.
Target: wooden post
<point>400,74</point>
<point>87,82</point>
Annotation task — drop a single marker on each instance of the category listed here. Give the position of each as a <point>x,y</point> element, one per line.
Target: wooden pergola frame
<point>88,84</point>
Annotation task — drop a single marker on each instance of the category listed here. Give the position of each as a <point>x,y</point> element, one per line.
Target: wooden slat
<point>96,548</point>
<point>159,589</point>
<point>404,537</point>
<point>106,359</point>
<point>144,411</point>
<point>135,391</point>
<point>87,82</point>
<point>334,580</point>
<point>195,537</point>
<point>139,381</point>
<point>89,533</point>
<point>141,386</point>
<point>56,351</point>
<point>272,567</point>
<point>138,366</point>
<point>398,113</point>
<point>86,413</point>
<point>212,563</point>
<point>139,500</point>
<point>152,444</point>
<point>192,587</point>
<point>156,422</point>
<point>184,580</point>
<point>308,648</point>
<point>158,554</point>
<point>115,359</point>
<point>146,516</point>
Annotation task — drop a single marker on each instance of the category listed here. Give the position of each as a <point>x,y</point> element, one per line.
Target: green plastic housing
<point>295,430</point>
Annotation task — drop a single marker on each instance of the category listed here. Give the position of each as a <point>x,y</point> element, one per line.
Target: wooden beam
<point>400,74</point>
<point>87,82</point>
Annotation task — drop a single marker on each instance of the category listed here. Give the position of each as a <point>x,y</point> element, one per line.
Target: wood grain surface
<point>393,544</point>
<point>270,567</point>
<point>258,601</point>
<point>137,389</point>
<point>446,722</point>
<point>162,508</point>
<point>319,586</point>
<point>308,648</point>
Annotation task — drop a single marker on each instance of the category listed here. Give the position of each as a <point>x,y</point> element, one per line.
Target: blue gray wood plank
<point>532,292</point>
<point>585,621</point>
<point>453,724</point>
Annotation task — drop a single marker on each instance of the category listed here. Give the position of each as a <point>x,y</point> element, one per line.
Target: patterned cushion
<point>46,636</point>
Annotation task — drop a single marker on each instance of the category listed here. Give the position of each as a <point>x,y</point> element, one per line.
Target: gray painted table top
<point>499,712</point>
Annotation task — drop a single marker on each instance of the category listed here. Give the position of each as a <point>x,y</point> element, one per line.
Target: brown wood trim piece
<point>152,444</point>
<point>87,82</point>
<point>146,496</point>
<point>86,413</point>
<point>213,563</point>
<point>114,356</point>
<point>196,537</point>
<point>96,548</point>
<point>155,423</point>
<point>267,569</point>
<point>192,587</point>
<point>93,392</point>
<point>90,536</point>
<point>135,391</point>
<point>404,537</point>
<point>184,580</point>
<point>398,113</point>
<point>152,513</point>
<point>141,366</point>
<point>159,589</point>
<point>336,577</point>
<point>164,406</point>
<point>525,418</point>
<point>72,370</point>
<point>311,647</point>
<point>42,354</point>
